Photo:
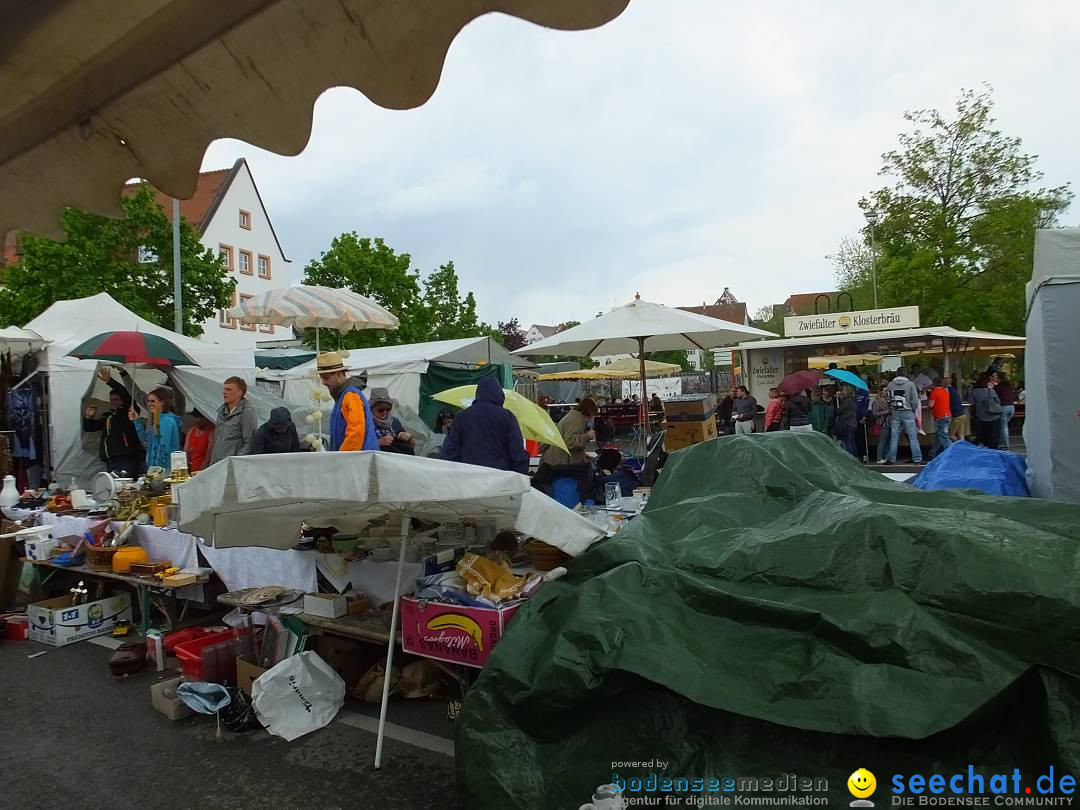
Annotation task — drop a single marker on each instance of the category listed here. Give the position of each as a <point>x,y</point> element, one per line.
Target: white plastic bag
<point>299,695</point>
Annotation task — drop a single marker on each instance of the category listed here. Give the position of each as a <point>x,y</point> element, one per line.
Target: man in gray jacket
<point>903,399</point>
<point>236,422</point>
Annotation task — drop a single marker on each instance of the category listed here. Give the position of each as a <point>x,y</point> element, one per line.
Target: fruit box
<point>454,633</point>
<point>58,622</point>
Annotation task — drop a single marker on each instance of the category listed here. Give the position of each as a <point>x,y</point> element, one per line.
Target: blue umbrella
<point>847,377</point>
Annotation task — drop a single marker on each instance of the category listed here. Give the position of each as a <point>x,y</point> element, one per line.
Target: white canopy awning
<point>263,500</point>
<point>973,338</point>
<point>94,93</point>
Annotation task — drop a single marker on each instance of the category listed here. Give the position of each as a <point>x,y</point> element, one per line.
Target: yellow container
<point>125,556</point>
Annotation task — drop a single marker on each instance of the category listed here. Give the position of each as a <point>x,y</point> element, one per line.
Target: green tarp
<point>439,378</point>
<point>780,609</point>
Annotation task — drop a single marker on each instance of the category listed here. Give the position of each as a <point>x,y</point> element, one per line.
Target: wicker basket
<point>98,558</point>
<point>545,557</point>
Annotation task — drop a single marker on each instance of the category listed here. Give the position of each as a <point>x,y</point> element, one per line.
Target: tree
<point>372,268</point>
<point>956,230</point>
<point>102,254</point>
<point>446,315</point>
<point>513,336</point>
<point>771,319</point>
<point>676,356</point>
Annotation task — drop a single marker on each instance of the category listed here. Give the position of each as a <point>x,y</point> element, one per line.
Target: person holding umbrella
<point>160,433</point>
<point>121,448</point>
<point>486,434</point>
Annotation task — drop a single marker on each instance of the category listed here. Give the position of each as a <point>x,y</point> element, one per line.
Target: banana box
<point>454,633</point>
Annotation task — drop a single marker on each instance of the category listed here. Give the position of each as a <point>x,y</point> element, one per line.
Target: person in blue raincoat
<point>160,434</point>
<point>486,434</point>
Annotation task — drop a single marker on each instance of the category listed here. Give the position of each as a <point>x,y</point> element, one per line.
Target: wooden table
<point>145,589</point>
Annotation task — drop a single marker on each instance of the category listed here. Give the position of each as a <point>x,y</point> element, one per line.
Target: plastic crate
<point>201,659</point>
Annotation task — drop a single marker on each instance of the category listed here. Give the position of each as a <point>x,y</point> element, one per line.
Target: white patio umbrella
<point>262,501</point>
<point>314,307</point>
<point>642,326</point>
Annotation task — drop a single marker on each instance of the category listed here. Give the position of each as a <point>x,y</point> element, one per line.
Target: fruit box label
<point>460,635</point>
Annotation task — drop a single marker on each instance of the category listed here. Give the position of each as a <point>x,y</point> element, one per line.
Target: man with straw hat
<point>352,426</point>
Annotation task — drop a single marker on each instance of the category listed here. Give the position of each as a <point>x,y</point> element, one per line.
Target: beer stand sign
<point>766,367</point>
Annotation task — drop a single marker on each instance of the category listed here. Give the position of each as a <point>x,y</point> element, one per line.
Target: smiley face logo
<point>862,783</point>
<point>844,323</point>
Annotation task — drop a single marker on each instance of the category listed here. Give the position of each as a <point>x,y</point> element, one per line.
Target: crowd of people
<point>907,403</point>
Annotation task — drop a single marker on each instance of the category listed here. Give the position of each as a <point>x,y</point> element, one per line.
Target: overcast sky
<point>687,146</point>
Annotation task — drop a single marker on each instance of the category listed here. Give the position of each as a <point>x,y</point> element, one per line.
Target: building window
<point>245,220</point>
<point>226,254</point>
<point>245,262</point>
<point>264,267</point>
<point>224,321</point>
<point>247,327</point>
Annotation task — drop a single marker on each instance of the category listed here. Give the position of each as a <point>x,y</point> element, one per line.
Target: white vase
<point>9,495</point>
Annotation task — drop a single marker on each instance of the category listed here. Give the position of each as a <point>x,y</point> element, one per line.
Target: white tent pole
<point>393,639</point>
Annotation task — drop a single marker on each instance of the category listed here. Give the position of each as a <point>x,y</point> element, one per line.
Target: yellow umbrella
<point>534,420</point>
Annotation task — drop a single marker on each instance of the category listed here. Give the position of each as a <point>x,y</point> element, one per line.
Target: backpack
<point>897,399</point>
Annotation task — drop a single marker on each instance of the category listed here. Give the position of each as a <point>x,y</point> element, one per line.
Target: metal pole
<point>178,316</point>
<point>873,263</point>
<point>393,641</point>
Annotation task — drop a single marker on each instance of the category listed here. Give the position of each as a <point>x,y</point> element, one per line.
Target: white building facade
<point>229,214</point>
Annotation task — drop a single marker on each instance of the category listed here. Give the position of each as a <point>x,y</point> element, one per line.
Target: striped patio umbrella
<point>133,348</point>
<point>315,307</point>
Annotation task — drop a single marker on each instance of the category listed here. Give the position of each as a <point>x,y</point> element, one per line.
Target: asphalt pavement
<point>72,736</point>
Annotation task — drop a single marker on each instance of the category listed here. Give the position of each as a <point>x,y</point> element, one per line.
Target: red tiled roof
<point>208,189</point>
<point>733,313</point>
<point>803,303</point>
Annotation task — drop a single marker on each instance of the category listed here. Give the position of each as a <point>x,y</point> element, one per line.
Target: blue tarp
<point>968,466</point>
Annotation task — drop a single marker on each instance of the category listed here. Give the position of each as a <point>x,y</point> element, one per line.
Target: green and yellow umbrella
<point>534,420</point>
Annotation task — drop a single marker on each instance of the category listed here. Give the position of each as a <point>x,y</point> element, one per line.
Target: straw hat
<point>328,362</point>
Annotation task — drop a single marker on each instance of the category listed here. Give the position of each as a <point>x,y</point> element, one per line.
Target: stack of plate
<point>545,557</point>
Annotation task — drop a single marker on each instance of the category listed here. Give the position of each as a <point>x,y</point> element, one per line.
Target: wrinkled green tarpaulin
<point>779,608</point>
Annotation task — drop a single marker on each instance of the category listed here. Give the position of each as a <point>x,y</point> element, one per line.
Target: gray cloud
<point>685,147</point>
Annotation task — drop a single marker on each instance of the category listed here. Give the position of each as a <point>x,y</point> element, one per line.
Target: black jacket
<point>118,435</point>
<point>845,416</point>
<point>276,436</point>
<point>486,434</point>
<point>798,410</point>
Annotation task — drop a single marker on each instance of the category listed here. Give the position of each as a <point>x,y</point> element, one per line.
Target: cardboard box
<point>689,407</point>
<point>247,671</point>
<point>357,604</point>
<point>163,696</point>
<point>40,549</point>
<point>327,605</point>
<point>686,434</point>
<point>57,622</point>
<point>461,635</point>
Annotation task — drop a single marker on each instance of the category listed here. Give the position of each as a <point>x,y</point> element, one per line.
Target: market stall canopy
<point>625,369</point>
<point>314,307</point>
<point>90,97</point>
<point>844,360</point>
<point>19,341</point>
<point>65,325</point>
<point>664,329</point>
<point>922,340</point>
<point>262,500</point>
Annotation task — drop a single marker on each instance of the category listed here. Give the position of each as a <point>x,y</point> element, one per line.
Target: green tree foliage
<point>956,235</point>
<point>102,254</point>
<point>429,308</point>
<point>678,357</point>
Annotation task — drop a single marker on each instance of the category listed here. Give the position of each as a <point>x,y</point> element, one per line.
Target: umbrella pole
<point>393,639</point>
<point>644,406</point>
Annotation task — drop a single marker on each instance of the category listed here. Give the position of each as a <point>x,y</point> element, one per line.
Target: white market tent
<point>398,368</point>
<point>66,324</point>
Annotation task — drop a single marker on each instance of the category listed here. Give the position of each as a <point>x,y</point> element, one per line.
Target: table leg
<point>144,608</point>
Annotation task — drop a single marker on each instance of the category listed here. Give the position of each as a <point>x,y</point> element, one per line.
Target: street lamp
<point>872,218</point>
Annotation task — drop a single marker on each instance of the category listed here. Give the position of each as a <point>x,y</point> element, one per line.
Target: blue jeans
<point>905,420</point>
<point>1007,412</point>
<point>883,439</point>
<point>941,439</point>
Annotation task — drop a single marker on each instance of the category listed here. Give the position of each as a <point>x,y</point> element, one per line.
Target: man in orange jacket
<point>352,426</point>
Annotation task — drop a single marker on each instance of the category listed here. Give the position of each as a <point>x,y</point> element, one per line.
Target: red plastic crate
<point>182,636</point>
<point>190,653</point>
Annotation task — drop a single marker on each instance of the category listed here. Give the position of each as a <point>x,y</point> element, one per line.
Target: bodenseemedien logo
<point>862,784</point>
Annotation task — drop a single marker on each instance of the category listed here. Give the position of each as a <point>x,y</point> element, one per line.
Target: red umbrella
<point>133,347</point>
<point>799,381</point>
